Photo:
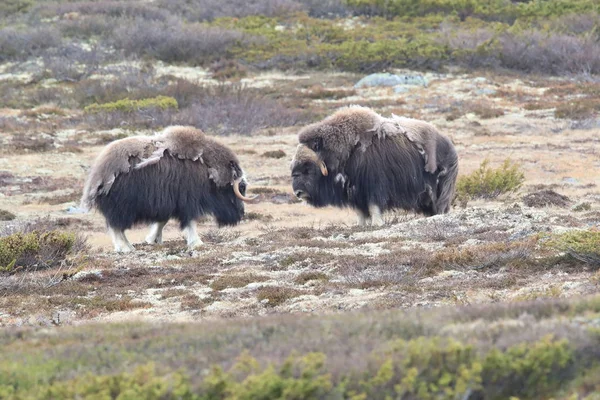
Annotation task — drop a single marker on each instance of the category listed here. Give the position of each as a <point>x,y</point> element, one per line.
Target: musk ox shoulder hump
<point>190,143</point>
<point>336,136</point>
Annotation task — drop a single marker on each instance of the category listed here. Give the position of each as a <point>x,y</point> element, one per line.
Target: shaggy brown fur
<point>137,152</point>
<point>388,162</point>
<point>304,154</point>
<point>117,158</point>
<point>341,132</point>
<point>186,142</point>
<point>427,139</point>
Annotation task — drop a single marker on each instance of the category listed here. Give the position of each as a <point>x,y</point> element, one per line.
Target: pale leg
<point>155,234</point>
<point>191,236</point>
<point>120,241</point>
<point>362,218</point>
<point>376,216</point>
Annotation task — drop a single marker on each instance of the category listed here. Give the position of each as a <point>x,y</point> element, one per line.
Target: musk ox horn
<point>236,190</point>
<point>323,168</point>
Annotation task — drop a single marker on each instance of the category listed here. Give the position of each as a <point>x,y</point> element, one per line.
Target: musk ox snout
<point>307,179</point>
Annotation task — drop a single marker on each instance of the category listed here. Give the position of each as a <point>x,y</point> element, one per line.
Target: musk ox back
<point>359,159</point>
<point>180,174</point>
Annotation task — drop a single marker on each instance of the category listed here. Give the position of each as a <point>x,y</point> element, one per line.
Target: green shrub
<point>423,368</point>
<point>489,183</point>
<point>10,7</point>
<point>129,106</point>
<point>528,370</point>
<point>581,245</point>
<point>143,383</point>
<point>494,10</point>
<point>298,378</point>
<point>429,368</point>
<point>34,249</point>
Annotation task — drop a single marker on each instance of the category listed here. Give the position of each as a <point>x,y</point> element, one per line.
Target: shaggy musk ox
<point>180,174</point>
<point>357,158</point>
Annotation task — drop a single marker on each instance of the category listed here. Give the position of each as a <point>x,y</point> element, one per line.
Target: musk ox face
<point>229,209</point>
<point>312,182</point>
<point>306,178</point>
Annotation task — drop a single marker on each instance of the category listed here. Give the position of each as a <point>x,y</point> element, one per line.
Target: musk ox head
<point>229,202</point>
<point>311,180</point>
<point>335,137</point>
<point>230,209</point>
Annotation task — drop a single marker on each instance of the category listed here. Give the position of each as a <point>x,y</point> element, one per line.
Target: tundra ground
<point>287,257</point>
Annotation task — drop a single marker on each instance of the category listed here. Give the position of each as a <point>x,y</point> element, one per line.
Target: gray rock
<point>485,91</point>
<point>387,79</point>
<point>75,210</point>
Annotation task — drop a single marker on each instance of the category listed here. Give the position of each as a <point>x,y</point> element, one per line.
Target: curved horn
<point>323,168</point>
<point>236,190</point>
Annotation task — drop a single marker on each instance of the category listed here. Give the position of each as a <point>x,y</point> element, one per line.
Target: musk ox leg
<point>155,234</point>
<point>376,216</point>
<point>363,219</point>
<point>120,241</point>
<point>191,236</point>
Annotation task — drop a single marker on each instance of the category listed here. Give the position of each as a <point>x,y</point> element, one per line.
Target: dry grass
<point>308,276</point>
<point>236,281</point>
<point>545,198</point>
<point>274,154</point>
<point>273,296</point>
<point>61,199</point>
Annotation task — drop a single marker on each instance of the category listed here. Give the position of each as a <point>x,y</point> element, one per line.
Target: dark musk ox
<point>359,159</point>
<point>179,174</point>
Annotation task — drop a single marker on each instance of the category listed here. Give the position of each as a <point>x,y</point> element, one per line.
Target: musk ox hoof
<point>125,249</point>
<point>195,244</point>
<point>153,240</point>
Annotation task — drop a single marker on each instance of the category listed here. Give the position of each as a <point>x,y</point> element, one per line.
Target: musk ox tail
<point>446,187</point>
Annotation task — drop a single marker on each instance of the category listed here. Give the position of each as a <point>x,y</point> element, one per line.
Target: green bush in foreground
<point>423,368</point>
<point>36,248</point>
<point>128,106</point>
<point>489,183</point>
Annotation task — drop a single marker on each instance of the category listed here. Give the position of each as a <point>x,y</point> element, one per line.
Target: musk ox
<point>180,174</point>
<point>357,158</point>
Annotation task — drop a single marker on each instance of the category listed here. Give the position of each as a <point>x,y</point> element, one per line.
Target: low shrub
<point>274,154</point>
<point>229,109</point>
<point>489,183</point>
<point>11,7</point>
<point>580,245</point>
<point>6,215</point>
<point>208,10</point>
<point>148,113</point>
<point>19,44</point>
<point>236,281</point>
<point>128,106</point>
<point>422,368</point>
<point>34,250</point>
<point>173,41</point>
<point>273,296</point>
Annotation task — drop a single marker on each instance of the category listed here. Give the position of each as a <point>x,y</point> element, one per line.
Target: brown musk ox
<point>178,174</point>
<point>357,158</point>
